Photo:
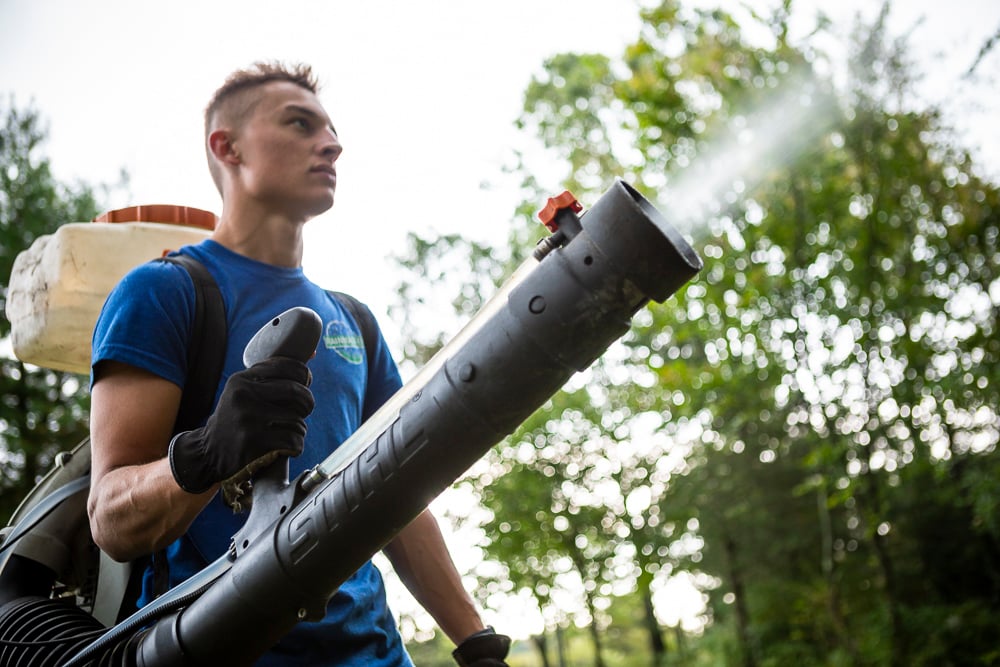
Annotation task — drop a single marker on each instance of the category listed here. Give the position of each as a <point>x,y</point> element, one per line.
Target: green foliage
<point>811,426</point>
<point>434,652</point>
<point>439,260</point>
<point>42,412</point>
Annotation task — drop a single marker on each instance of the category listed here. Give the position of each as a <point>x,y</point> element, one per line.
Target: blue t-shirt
<point>145,323</point>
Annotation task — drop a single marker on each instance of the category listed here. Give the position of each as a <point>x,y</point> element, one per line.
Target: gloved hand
<point>260,416</point>
<point>483,649</point>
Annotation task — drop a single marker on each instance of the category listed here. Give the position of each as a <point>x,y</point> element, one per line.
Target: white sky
<point>423,95</point>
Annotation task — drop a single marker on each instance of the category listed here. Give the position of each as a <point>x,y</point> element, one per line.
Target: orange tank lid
<point>163,213</point>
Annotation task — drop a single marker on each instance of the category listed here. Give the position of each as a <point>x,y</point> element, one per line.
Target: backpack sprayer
<point>302,540</point>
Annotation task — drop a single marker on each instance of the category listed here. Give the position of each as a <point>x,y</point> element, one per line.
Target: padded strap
<point>206,357</point>
<point>206,348</point>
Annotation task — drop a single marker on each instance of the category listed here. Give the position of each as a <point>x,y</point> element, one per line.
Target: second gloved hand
<point>260,416</point>
<point>483,649</point>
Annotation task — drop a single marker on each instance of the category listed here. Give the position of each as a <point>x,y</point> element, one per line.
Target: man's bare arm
<point>135,506</point>
<point>420,557</point>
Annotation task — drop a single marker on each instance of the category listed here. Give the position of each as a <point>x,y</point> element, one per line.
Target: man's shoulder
<point>152,294</point>
<point>157,275</point>
<point>145,319</point>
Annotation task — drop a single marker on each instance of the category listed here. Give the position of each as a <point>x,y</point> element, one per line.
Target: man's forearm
<point>137,510</point>
<point>420,557</point>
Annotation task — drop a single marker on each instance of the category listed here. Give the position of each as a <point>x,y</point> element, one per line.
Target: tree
<point>42,411</point>
<point>818,409</point>
<point>987,46</point>
<point>827,267</point>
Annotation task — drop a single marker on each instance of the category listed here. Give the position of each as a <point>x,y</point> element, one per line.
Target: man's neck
<point>265,237</point>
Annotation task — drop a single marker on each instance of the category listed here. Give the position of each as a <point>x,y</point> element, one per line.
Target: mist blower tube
<point>565,313</point>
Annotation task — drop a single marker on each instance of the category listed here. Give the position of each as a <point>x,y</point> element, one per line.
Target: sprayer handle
<point>295,333</point>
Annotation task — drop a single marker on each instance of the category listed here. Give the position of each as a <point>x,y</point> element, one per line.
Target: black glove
<point>484,649</point>
<point>260,416</point>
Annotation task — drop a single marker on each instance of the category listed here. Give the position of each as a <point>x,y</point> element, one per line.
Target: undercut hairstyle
<point>234,101</point>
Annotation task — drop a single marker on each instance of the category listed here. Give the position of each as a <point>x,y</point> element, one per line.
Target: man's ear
<point>220,143</point>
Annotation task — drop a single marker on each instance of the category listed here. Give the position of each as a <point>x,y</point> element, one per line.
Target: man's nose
<point>330,146</point>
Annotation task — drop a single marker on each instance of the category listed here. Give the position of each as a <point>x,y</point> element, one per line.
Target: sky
<point>423,94</point>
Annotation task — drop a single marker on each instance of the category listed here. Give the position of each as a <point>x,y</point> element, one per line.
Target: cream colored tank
<point>59,284</point>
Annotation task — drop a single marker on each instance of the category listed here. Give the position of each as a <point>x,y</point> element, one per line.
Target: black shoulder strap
<point>206,357</point>
<point>207,350</point>
<point>364,318</point>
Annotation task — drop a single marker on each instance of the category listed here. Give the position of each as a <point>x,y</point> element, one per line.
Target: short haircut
<point>233,102</point>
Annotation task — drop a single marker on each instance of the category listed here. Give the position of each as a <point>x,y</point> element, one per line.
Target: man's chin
<point>319,207</point>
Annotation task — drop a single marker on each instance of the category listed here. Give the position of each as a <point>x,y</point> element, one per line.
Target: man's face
<point>287,149</point>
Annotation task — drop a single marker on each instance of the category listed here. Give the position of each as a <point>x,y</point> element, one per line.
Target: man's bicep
<point>131,417</point>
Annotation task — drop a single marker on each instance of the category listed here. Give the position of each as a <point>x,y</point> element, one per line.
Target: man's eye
<point>301,122</point>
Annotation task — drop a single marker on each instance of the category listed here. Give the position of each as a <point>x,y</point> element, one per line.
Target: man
<point>272,152</point>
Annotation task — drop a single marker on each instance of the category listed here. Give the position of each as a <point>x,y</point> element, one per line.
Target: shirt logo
<point>341,338</point>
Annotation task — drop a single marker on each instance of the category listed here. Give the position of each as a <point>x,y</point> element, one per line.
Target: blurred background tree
<point>42,412</point>
<point>808,432</point>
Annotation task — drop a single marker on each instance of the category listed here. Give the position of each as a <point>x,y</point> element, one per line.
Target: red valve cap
<point>555,204</point>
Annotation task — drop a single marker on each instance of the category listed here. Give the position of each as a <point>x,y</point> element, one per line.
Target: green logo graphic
<point>342,339</point>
